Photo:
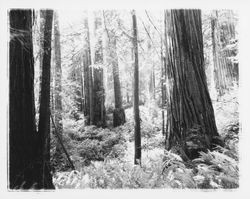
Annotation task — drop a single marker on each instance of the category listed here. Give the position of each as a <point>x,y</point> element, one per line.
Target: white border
<point>244,41</point>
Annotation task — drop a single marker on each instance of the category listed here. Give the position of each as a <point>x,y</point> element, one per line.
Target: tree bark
<point>137,130</point>
<point>44,117</point>
<point>22,128</point>
<point>88,81</point>
<point>98,88</point>
<point>118,114</point>
<point>219,71</point>
<point>191,121</point>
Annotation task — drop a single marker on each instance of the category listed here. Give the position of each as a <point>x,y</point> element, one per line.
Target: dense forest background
<point>123,99</point>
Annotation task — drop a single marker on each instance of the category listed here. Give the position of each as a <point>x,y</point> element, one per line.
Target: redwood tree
<point>118,114</point>
<point>191,122</point>
<point>88,79</point>
<point>98,87</point>
<point>44,117</point>
<point>22,128</point>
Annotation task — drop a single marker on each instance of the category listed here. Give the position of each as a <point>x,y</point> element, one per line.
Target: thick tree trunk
<point>58,82</point>
<point>98,87</point>
<point>137,131</point>
<point>44,117</point>
<point>21,105</point>
<point>191,123</point>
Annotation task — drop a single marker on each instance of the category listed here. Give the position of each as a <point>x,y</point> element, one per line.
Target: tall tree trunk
<point>44,117</point>
<point>41,41</point>
<point>22,128</point>
<point>118,114</point>
<point>88,81</point>
<point>137,158</point>
<point>191,123</point>
<point>58,82</point>
<point>220,71</point>
<point>98,88</point>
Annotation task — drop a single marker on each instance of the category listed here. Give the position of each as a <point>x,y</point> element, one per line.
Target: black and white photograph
<point>133,98</point>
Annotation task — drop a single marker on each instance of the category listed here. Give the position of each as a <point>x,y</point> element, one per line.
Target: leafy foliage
<point>114,147</point>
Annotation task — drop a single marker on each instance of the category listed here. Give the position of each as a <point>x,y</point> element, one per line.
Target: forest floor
<point>104,158</point>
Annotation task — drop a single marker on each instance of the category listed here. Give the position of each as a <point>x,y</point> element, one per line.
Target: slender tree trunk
<point>163,93</point>
<point>127,94</point>
<point>82,93</point>
<point>137,158</point>
<point>22,130</point>
<point>58,82</point>
<point>86,86</point>
<point>44,117</point>
<point>191,123</point>
<point>91,83</point>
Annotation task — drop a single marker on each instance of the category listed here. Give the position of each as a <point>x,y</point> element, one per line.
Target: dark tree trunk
<point>118,114</point>
<point>58,82</point>
<point>98,87</point>
<point>137,158</point>
<point>44,117</point>
<point>90,75</point>
<point>127,94</point>
<point>86,86</point>
<point>191,122</point>
<point>21,105</point>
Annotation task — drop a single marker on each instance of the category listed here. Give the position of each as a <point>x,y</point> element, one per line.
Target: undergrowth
<point>104,157</point>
